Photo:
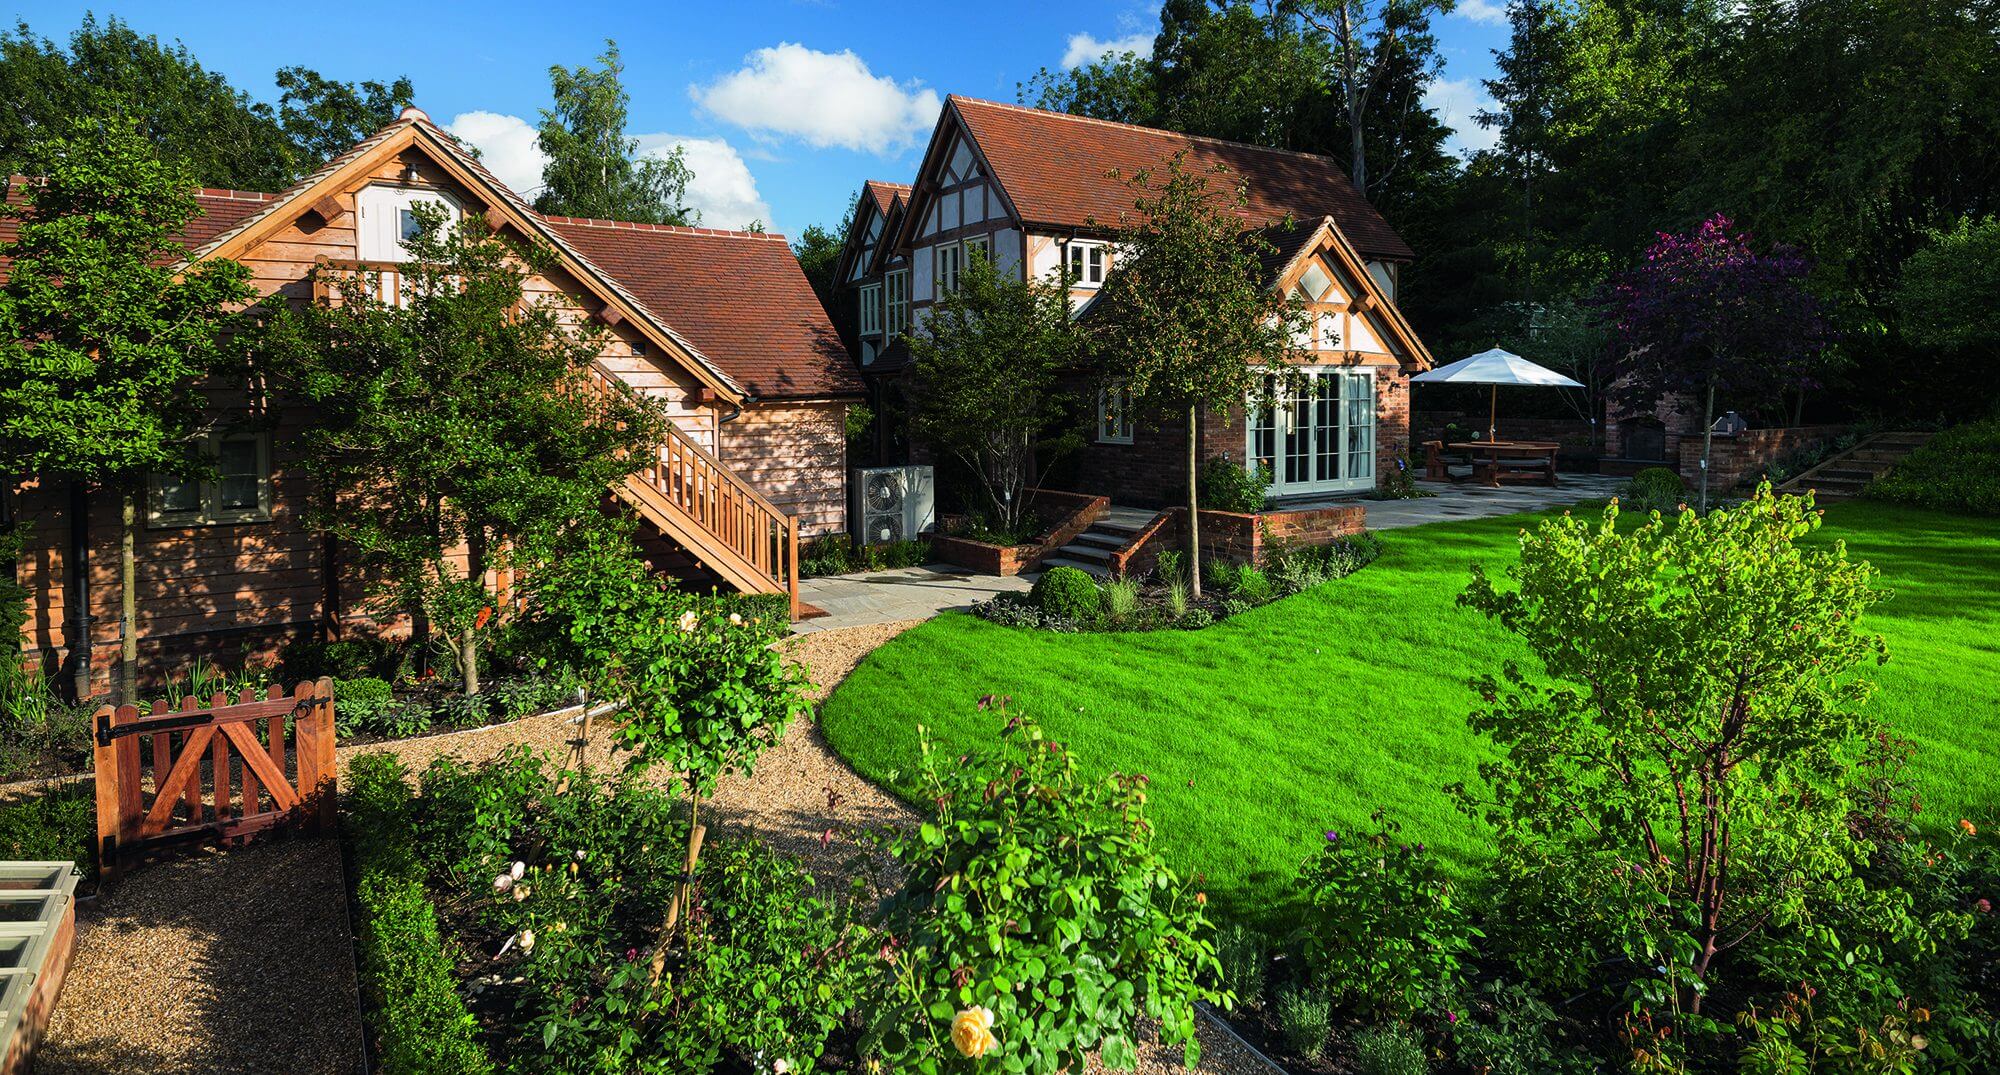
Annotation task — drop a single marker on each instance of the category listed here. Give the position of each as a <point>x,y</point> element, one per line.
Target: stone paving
<point>918,593</point>
<point>912,593</point>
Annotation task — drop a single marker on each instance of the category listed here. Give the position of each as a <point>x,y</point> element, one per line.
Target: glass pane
<point>1315,281</point>
<point>237,457</point>
<point>238,493</point>
<point>407,225</point>
<point>1360,426</point>
<point>174,495</point>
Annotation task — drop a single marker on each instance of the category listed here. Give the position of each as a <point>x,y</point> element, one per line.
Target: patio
<point>1472,501</point>
<point>911,593</point>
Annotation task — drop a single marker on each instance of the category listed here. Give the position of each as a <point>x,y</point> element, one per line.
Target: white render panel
<point>1007,251</point>
<point>1044,257</point>
<point>975,204</point>
<point>948,211</point>
<point>930,220</point>
<point>1362,337</point>
<point>920,274</point>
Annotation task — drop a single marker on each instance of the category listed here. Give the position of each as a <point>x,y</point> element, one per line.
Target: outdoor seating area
<point>1491,462</point>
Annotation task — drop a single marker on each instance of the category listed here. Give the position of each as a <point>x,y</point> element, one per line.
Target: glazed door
<point>1319,436</point>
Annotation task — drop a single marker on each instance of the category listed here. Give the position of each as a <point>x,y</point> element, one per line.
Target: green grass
<point>1309,713</point>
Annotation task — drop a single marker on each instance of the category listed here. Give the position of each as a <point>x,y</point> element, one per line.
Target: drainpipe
<point>79,573</point>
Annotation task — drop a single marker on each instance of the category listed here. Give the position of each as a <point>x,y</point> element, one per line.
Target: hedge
<point>420,1023</point>
<point>1957,470</point>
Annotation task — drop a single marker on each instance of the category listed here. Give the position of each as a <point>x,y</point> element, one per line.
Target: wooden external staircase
<point>1844,476</point>
<point>715,517</point>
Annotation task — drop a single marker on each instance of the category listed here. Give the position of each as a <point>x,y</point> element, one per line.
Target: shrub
<point>1195,619</point>
<point>1067,592</point>
<point>832,554</point>
<point>1035,894</point>
<point>1225,485</point>
<point>1172,566</point>
<point>1013,610</point>
<point>1297,567</point>
<point>55,825</point>
<point>346,658</point>
<point>1653,489</point>
<point>1305,1018</point>
<point>357,703</point>
<point>1513,1032</point>
<point>1121,598</point>
<point>895,554</point>
<point>1382,927</point>
<point>1252,586</point>
<point>1240,953</point>
<point>1957,470</point>
<point>421,1025</point>
<point>1176,598</point>
<point>1389,1050</point>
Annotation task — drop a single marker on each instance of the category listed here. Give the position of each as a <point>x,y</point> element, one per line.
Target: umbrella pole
<point>1493,416</point>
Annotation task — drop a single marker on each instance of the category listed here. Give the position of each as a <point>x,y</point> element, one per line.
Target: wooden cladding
<point>220,769</point>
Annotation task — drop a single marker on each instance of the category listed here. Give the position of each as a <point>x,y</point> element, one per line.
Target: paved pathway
<point>1469,501</point>
<point>912,593</point>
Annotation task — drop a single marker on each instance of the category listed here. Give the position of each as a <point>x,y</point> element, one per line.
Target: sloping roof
<point>884,194</point>
<point>738,296</point>
<point>220,209</point>
<point>1053,167</point>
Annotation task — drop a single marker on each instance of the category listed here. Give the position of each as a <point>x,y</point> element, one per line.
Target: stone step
<point>1106,540</point>
<point>1858,474</point>
<point>1094,553</point>
<point>1092,569</point>
<point>1901,440</point>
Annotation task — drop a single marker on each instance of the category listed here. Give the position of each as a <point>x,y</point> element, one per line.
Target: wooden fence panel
<point>166,776</point>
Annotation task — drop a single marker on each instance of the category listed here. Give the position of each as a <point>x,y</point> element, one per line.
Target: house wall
<point>236,591</point>
<point>795,454</point>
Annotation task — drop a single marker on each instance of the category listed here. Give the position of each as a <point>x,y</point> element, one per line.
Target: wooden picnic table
<point>1496,461</point>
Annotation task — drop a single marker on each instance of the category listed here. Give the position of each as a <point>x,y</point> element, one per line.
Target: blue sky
<point>783,107</point>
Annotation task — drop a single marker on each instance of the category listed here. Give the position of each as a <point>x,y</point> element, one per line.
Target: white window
<point>981,245</point>
<point>388,217</point>
<point>896,301</point>
<point>1086,264</point>
<point>1114,414</point>
<point>239,490</point>
<point>950,258</point>
<point>871,310</point>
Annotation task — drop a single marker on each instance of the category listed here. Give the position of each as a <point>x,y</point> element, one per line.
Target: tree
<point>456,416</point>
<point>1946,297</point>
<point>1189,320</point>
<point>593,169</point>
<point>191,116</point>
<point>104,344</point>
<point>818,250</point>
<point>1695,730</point>
<point>1368,37</point>
<point>987,365</point>
<point>1704,313</point>
<point>323,117</point>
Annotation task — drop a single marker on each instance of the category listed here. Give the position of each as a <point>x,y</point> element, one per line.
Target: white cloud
<point>722,187</point>
<point>1084,48</point>
<point>823,99</point>
<point>1485,11</point>
<point>506,147</point>
<point>1458,102</point>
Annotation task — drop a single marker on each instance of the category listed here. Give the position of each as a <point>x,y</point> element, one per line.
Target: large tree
<point>1369,38</point>
<point>104,342</point>
<point>987,366</point>
<point>323,117</point>
<point>1704,315</point>
<point>1189,320</point>
<point>594,169</point>
<point>457,417</point>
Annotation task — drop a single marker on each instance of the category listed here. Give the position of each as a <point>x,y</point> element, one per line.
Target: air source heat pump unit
<point>891,503</point>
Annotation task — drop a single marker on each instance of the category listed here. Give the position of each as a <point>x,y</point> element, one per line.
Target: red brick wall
<point>1735,458</point>
<point>1243,538</point>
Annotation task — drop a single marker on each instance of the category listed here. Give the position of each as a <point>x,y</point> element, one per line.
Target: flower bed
<point>1068,515</point>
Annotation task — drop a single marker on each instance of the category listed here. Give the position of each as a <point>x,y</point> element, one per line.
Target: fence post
<point>313,729</point>
<point>116,787</point>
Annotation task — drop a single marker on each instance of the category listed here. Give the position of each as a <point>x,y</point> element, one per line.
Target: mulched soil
<point>213,963</point>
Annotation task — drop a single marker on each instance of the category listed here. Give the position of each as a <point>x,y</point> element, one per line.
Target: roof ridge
<point>1073,117</point>
<point>886,183</point>
<point>234,195</point>
<point>673,229</point>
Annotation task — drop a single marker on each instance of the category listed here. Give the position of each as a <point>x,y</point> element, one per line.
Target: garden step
<point>1088,568</point>
<point>1094,553</point>
<point>1109,541</point>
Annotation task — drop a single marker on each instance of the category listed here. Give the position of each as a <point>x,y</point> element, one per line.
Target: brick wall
<point>1242,538</point>
<point>1735,458</point>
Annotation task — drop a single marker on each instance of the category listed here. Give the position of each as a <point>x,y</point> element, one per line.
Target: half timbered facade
<point>1035,191</point>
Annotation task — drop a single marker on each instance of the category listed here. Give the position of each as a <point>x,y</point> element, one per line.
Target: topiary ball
<point>1067,592</point>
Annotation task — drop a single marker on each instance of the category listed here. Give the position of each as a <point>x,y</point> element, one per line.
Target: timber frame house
<point>723,325</point>
<point>1034,191</point>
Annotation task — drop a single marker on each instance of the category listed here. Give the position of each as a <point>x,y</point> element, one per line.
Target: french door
<point>1317,436</point>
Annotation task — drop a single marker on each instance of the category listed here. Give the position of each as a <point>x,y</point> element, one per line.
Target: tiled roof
<point>884,194</point>
<point>1053,167</point>
<point>220,210</point>
<point>739,296</point>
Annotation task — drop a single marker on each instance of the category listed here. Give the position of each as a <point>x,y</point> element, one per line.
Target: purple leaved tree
<point>1704,313</point>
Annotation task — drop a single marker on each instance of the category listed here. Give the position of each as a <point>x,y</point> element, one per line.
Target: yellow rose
<point>972,1032</point>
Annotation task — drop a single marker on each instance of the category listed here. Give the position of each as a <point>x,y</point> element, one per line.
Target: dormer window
<point>1086,264</point>
<point>387,219</point>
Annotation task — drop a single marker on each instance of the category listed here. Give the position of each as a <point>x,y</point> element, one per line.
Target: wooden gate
<point>225,770</point>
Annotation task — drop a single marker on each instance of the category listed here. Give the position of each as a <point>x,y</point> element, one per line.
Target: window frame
<point>1114,413</point>
<point>895,308</point>
<point>1080,250</point>
<point>208,492</point>
<point>943,283</point>
<point>981,243</point>
<point>871,304</point>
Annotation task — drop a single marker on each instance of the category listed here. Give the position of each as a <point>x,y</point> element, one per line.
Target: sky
<point>781,107</point>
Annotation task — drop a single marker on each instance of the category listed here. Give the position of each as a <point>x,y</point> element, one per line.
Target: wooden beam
<point>495,219</point>
<point>610,316</point>
<point>327,209</point>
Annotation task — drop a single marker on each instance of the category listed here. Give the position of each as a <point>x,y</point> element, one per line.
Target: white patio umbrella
<point>1495,367</point>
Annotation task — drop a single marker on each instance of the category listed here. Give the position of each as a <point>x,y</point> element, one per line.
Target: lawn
<point>1307,714</point>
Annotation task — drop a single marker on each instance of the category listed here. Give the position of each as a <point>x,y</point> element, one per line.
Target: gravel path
<point>214,963</point>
